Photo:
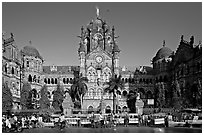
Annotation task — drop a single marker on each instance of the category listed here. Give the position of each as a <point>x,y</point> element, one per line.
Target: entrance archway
<point>90,109</point>
<point>108,109</point>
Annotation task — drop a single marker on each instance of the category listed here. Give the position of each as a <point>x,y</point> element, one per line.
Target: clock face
<point>99,59</point>
<point>98,36</point>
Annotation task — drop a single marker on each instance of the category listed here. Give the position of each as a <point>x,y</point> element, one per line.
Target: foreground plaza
<point>168,93</point>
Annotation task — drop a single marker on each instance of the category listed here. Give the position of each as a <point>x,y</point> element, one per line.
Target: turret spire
<point>164,44</point>
<point>97,11</point>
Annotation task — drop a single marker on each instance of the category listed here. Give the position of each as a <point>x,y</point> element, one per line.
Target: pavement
<point>120,129</point>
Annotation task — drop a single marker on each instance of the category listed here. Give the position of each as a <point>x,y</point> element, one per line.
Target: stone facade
<point>98,53</point>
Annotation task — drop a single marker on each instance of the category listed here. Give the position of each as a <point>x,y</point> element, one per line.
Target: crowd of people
<point>16,123</point>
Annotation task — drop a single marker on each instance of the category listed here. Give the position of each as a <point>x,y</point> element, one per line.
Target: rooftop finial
<point>164,43</point>
<point>30,42</point>
<point>97,11</point>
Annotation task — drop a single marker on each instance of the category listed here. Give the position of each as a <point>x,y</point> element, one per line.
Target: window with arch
<point>55,80</point>
<point>45,80</point>
<point>5,68</point>
<point>34,78</point>
<point>38,79</point>
<point>48,81</point>
<point>67,80</point>
<point>108,109</point>
<point>149,95</point>
<point>124,93</point>
<point>126,80</point>
<point>90,109</point>
<point>12,70</point>
<point>29,78</point>
<point>52,81</point>
<point>64,80</point>
<point>27,63</point>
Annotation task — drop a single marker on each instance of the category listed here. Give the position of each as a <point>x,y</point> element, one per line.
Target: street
<point>130,129</point>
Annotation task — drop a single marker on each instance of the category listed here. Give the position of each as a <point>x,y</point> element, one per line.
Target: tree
<point>58,98</point>
<point>25,100</point>
<point>113,85</point>
<point>7,100</point>
<point>131,99</point>
<point>176,95</point>
<point>44,101</point>
<point>78,89</point>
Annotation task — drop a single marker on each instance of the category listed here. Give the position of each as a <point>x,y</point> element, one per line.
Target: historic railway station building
<point>97,45</point>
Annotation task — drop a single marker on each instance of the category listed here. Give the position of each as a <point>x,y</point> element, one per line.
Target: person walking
<point>126,119</point>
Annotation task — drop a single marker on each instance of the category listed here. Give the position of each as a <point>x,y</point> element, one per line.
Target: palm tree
<point>131,99</point>
<point>78,89</point>
<point>113,85</point>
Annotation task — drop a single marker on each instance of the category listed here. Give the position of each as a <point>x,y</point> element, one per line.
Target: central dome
<point>163,53</point>
<point>31,51</point>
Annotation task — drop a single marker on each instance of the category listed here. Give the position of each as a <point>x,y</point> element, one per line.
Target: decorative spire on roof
<point>97,11</point>
<point>30,42</point>
<point>164,44</point>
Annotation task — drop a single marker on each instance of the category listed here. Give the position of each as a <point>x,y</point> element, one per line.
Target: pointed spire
<point>164,44</point>
<point>97,11</point>
<point>30,42</point>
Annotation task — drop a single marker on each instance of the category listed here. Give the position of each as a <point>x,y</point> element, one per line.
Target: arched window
<point>129,80</point>
<point>55,80</point>
<point>119,109</point>
<point>67,80</point>
<point>108,109</point>
<point>34,78</point>
<point>12,70</point>
<point>142,93</point>
<point>48,94</point>
<point>123,79</point>
<point>126,80</point>
<point>48,81</point>
<point>27,63</point>
<point>38,79</point>
<point>90,109</point>
<point>64,80</point>
<point>5,68</point>
<point>29,78</point>
<point>124,109</point>
<point>124,93</point>
<point>52,81</point>
<point>149,95</point>
<point>45,80</point>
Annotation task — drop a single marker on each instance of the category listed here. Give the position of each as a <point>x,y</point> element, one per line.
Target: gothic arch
<point>124,93</point>
<point>29,78</point>
<point>90,109</point>
<point>55,80</point>
<point>142,92</point>
<point>52,81</point>
<point>108,109</point>
<point>149,95</point>
<point>12,70</point>
<point>64,80</point>
<point>48,81</point>
<point>45,80</point>
<point>34,78</point>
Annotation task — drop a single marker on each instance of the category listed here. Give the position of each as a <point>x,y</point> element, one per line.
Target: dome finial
<point>97,11</point>
<point>164,44</point>
<point>30,42</point>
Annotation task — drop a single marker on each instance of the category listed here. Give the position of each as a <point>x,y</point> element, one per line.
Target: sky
<point>53,27</point>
